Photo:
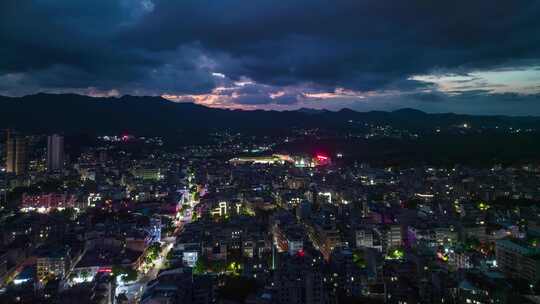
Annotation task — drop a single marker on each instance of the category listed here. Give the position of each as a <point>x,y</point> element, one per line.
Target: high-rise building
<point>10,152</point>
<point>16,154</point>
<point>298,280</point>
<point>518,259</point>
<point>52,263</point>
<point>55,152</point>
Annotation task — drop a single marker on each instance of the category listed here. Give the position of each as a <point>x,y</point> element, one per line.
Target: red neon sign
<point>322,157</point>
<point>105,270</point>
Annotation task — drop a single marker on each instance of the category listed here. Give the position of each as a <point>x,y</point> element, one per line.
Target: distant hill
<point>71,113</point>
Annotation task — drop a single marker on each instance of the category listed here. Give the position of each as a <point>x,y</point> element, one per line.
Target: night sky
<point>464,56</point>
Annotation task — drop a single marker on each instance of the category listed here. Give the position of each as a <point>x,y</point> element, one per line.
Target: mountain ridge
<point>43,112</point>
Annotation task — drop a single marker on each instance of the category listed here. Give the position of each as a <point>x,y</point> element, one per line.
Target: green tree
<point>201,266</point>
<point>85,274</point>
<point>131,275</point>
<point>234,268</point>
<point>127,274</point>
<point>219,266</point>
<point>396,253</point>
<point>359,259</point>
<point>153,252</point>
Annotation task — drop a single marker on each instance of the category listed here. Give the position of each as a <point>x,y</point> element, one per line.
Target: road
<point>135,290</point>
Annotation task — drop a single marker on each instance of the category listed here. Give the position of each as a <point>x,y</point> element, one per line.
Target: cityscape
<point>128,220</point>
<point>269,152</point>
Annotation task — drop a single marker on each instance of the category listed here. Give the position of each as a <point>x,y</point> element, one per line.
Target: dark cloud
<point>430,97</point>
<point>174,47</point>
<point>354,44</point>
<point>41,34</point>
<point>51,44</point>
<point>265,99</point>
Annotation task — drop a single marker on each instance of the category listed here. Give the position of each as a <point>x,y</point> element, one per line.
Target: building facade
<point>55,152</point>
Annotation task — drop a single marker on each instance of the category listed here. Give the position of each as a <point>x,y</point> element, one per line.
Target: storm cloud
<point>286,50</point>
